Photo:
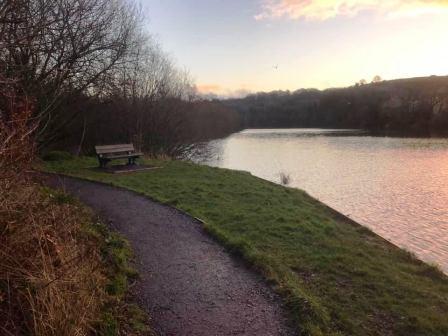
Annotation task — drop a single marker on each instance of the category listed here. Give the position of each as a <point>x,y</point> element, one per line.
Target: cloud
<point>320,10</point>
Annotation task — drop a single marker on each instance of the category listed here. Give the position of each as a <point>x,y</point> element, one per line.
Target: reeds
<point>285,179</point>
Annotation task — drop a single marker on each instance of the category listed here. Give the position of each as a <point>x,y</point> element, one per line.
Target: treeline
<point>168,126</point>
<point>93,75</point>
<point>409,106</point>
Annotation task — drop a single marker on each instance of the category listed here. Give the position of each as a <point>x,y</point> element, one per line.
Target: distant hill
<point>414,106</point>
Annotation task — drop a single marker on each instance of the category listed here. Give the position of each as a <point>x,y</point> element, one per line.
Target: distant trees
<point>418,105</point>
<point>377,79</point>
<point>93,72</point>
<point>362,82</point>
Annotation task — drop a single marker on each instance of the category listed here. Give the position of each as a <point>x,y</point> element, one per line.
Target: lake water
<point>398,187</point>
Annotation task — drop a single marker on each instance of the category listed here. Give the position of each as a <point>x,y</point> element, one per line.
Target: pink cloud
<point>326,9</point>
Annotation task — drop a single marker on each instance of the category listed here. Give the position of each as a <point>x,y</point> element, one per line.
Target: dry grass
<point>50,276</point>
<point>53,274</point>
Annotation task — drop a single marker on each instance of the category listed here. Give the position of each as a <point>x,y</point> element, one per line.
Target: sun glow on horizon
<point>403,46</point>
<point>237,47</point>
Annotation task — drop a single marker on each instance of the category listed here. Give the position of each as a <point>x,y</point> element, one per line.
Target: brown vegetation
<point>55,264</point>
<point>51,277</point>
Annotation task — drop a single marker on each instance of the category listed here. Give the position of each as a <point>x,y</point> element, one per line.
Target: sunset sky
<point>235,46</point>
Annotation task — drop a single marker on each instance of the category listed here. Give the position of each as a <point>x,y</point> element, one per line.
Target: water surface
<point>398,187</point>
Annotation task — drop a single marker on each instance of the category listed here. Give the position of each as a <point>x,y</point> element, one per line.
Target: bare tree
<point>55,48</point>
<point>91,62</point>
<point>154,91</point>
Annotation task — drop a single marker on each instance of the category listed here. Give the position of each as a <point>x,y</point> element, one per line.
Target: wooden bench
<point>112,152</point>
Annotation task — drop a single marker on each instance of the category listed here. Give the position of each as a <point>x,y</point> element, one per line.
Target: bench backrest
<point>112,149</point>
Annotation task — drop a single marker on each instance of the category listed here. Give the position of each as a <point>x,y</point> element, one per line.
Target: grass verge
<point>119,314</point>
<point>337,277</point>
<point>61,271</point>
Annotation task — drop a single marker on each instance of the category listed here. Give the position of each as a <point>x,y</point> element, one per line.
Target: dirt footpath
<point>189,284</point>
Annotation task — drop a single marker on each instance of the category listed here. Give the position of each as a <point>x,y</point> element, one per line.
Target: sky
<point>233,47</point>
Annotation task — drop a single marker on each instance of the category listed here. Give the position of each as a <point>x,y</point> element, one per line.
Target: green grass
<point>119,314</point>
<point>337,278</point>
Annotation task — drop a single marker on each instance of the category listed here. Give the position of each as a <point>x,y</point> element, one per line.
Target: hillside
<point>414,105</point>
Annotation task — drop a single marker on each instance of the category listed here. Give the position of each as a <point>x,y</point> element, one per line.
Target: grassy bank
<point>337,277</point>
<point>62,272</point>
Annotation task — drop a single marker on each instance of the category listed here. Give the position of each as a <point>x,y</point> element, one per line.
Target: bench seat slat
<point>115,151</point>
<point>121,156</point>
<point>114,148</point>
<point>117,147</point>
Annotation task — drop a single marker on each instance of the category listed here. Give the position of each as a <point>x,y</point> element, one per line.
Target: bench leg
<point>103,163</point>
<point>130,161</point>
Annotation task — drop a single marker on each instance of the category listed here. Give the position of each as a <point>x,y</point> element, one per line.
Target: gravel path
<point>189,284</point>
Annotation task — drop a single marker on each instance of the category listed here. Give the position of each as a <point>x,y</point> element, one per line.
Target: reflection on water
<point>396,186</point>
